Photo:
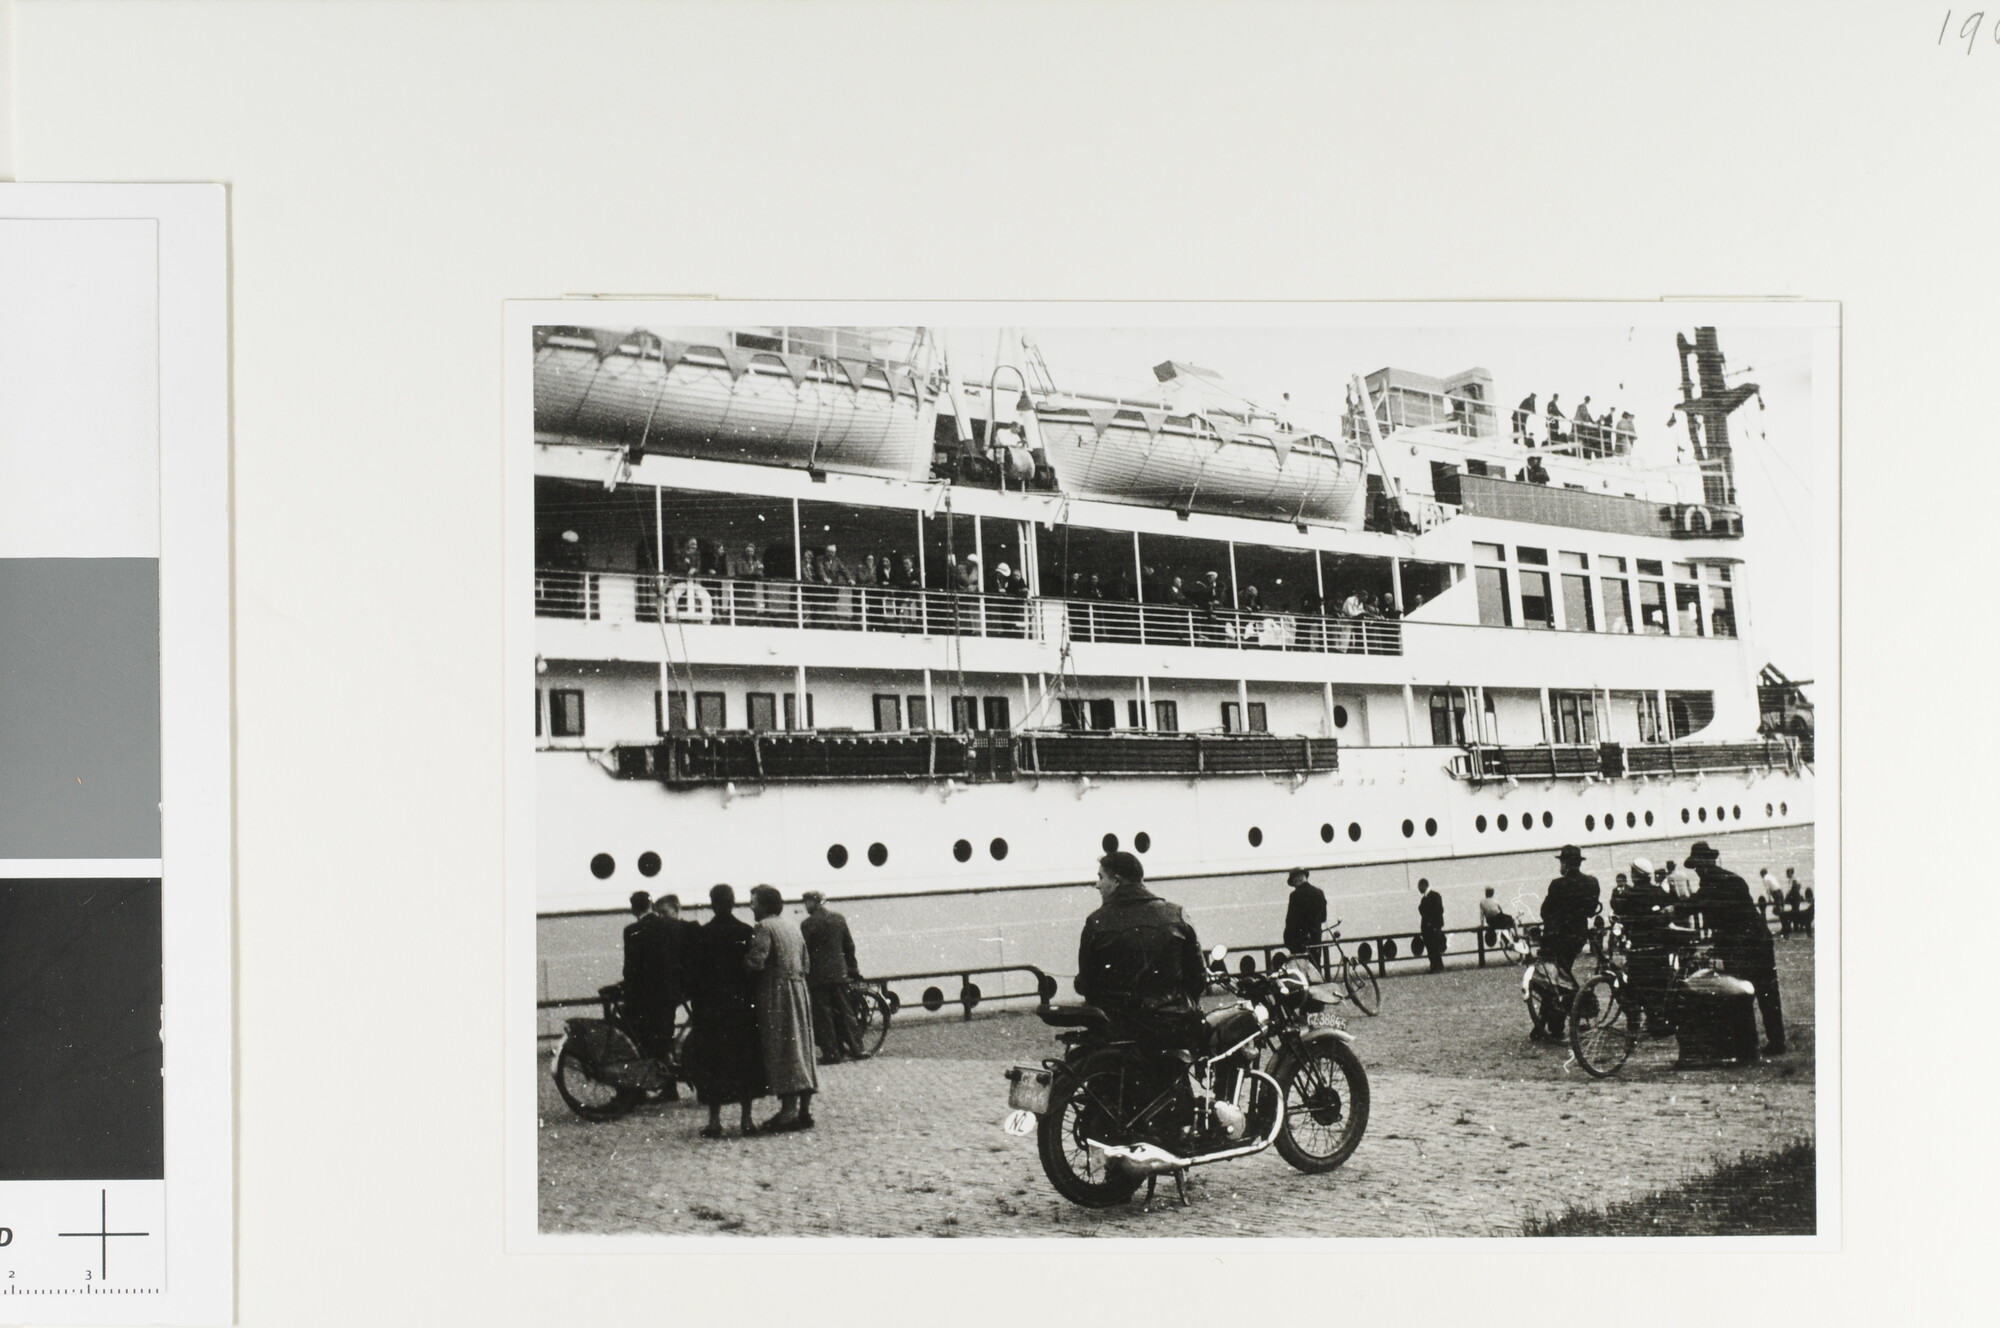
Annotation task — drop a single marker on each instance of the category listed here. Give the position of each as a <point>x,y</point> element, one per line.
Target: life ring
<point>688,601</point>
<point>1689,513</point>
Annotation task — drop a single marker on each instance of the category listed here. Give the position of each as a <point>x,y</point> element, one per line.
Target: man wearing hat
<point>1571,903</point>
<point>1742,940</point>
<point>1646,909</point>
<point>831,965</point>
<point>651,990</point>
<point>1305,916</point>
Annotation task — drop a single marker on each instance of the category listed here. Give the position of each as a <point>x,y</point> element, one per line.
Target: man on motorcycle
<point>1138,959</point>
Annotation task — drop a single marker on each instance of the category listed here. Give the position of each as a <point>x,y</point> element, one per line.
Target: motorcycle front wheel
<point>587,1095</point>
<point>1600,1027</point>
<point>1085,1107</point>
<point>1326,1106</point>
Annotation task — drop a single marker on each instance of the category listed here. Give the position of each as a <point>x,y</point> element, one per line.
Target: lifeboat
<point>706,394</point>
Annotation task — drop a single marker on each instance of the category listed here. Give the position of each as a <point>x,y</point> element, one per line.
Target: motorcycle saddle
<point>1075,1016</point>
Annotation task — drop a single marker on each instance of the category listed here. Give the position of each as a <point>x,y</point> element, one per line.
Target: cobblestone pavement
<point>1472,1129</point>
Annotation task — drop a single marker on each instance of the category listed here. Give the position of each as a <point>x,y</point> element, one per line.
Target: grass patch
<point>1759,1194</point>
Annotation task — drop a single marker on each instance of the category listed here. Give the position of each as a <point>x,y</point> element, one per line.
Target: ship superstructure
<point>813,609</point>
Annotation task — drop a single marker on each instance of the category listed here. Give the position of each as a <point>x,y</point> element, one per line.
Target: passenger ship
<point>812,609</point>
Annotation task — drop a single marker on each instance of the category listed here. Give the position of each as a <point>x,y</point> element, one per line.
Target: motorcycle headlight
<point>1263,1015</point>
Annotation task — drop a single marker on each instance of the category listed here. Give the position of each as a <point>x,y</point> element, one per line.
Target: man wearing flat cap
<point>831,966</point>
<point>1571,903</point>
<point>1305,915</point>
<point>1742,939</point>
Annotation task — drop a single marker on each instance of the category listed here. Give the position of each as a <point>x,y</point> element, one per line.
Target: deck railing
<point>1485,763</point>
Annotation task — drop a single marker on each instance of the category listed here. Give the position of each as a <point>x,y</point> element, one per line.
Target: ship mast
<point>1708,415</point>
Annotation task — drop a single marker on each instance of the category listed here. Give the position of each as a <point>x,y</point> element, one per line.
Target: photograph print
<point>1172,771</point>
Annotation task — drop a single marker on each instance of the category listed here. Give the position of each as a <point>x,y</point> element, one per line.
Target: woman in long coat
<point>784,1010</point>
<point>723,1059</point>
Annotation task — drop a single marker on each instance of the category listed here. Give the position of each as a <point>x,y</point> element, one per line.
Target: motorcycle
<point>1273,1067</point>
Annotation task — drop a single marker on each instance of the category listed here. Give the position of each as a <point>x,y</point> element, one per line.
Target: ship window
<point>1430,825</point>
<point>1722,618</point>
<point>1617,604</point>
<point>1340,716</point>
<point>1534,557</point>
<point>792,712</point>
<point>1649,818</point>
<point>1703,813</point>
<point>888,714</point>
<point>1651,567</point>
<point>1167,716</point>
<point>649,863</point>
<point>711,710</point>
<point>1607,563</point>
<point>1494,610</point>
<point>1354,831</point>
<point>878,854</point>
<point>1590,823</point>
<point>1424,582</point>
<point>1103,714</point>
<point>1077,562</point>
<point>602,866</point>
<point>1631,820</point>
<point>1577,616</point>
<point>1259,718</point>
<point>1689,712</point>
<point>1501,822</point>
<point>1256,837</point>
<point>836,857</point>
<point>998,848</point>
<point>1286,580</point>
<point>1479,824</point>
<point>1653,608</point>
<point>1784,810</point>
<point>1537,610</point>
<point>1684,570</point>
<point>1132,715</point>
<point>1110,843</point>
<point>1071,714</point>
<point>995,711</point>
<point>1768,809</point>
<point>1326,833</point>
<point>1447,718</point>
<point>1142,841</point>
<point>964,713</point>
<point>1548,820</point>
<point>919,711</point>
<point>1575,561</point>
<point>1687,605</point>
<point>566,712</point>
<point>763,711</point>
<point>962,850</point>
<point>677,712</point>
<point>1575,716</point>
<point>1684,816</point>
<point>1491,553</point>
<point>1409,828</point>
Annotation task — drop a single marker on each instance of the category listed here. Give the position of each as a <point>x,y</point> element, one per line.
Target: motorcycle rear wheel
<point>1600,1027</point>
<point>1086,1106</point>
<point>587,1095</point>
<point>1326,1106</point>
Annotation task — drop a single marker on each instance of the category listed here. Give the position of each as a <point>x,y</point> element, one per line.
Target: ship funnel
<point>1708,414</point>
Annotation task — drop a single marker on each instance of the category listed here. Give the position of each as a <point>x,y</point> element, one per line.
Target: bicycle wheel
<point>871,1020</point>
<point>1326,1106</point>
<point>587,1095</point>
<point>1362,988</point>
<point>1600,1026</point>
<point>1088,1106</point>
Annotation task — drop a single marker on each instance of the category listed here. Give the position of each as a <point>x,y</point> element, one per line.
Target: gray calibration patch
<point>79,708</point>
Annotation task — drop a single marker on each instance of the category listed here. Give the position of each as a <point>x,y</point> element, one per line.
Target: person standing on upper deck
<point>1556,419</point>
<point>1524,413</point>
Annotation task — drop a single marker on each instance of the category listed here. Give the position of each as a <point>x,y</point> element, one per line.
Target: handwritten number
<point>1970,29</point>
<point>1944,27</point>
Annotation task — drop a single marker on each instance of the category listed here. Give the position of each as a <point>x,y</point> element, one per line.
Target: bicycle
<point>1354,976</point>
<point>598,1067</point>
<point>1604,1017</point>
<point>871,1007</point>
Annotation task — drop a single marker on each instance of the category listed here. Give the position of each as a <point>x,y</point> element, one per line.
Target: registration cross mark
<point>103,1236</point>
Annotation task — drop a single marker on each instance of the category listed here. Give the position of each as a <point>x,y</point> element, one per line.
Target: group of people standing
<point>1612,432</point>
<point>755,992</point>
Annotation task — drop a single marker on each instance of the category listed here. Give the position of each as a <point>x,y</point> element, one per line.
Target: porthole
<point>1326,833</point>
<point>1354,831</point>
<point>1649,818</point>
<point>1719,816</point>
<point>602,866</point>
<point>962,850</point>
<point>1256,837</point>
<point>1479,824</point>
<point>1142,841</point>
<point>1631,820</point>
<point>1528,821</point>
<point>1340,716</point>
<point>1590,823</point>
<point>1409,829</point>
<point>1701,814</point>
<point>1430,825</point>
<point>1500,821</point>
<point>1110,843</point>
<point>878,854</point>
<point>1548,820</point>
<point>1768,809</point>
<point>1735,812</point>
<point>649,863</point>
<point>1783,810</point>
<point>1684,816</point>
<point>836,857</point>
<point>998,848</point>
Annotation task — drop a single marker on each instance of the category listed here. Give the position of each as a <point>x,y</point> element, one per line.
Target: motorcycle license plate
<point>1030,1091</point>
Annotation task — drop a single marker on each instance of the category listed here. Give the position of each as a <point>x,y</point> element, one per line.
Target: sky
<point>1620,367</point>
